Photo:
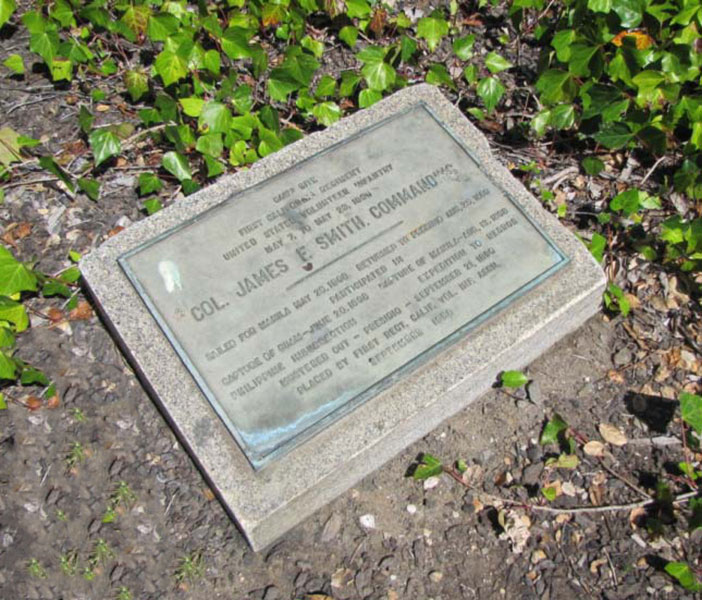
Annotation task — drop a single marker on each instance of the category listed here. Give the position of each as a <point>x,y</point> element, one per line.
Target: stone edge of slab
<point>268,503</point>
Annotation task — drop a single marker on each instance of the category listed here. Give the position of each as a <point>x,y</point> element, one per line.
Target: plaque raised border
<point>259,459</point>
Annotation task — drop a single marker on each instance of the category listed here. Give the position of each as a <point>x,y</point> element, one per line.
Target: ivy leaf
<point>149,183</point>
<point>552,430</point>
<point>90,188</point>
<point>85,119</point>
<point>357,8</point>
<point>438,74</point>
<point>104,144</point>
<point>429,466</point>
<point>496,63</point>
<point>684,575</point>
<point>192,106</point>
<point>463,47</point>
<point>432,29</point>
<point>14,313</point>
<point>176,164</point>
<point>490,90</point>
<point>592,165</point>
<point>15,63</point>
<point>691,410</point>
<point>137,84</point>
<point>368,97</point>
<point>630,12</point>
<point>614,136</point>
<point>235,43</point>
<point>48,163</point>
<point>349,35</point>
<point>210,144</point>
<point>327,113</point>
<point>513,379</point>
<point>579,59</point>
<point>562,116</point>
<point>171,67</point>
<point>14,276</point>
<point>152,205</point>
<point>161,26</point>
<point>597,246</point>
<point>556,86</point>
<point>349,82</point>
<point>602,6</point>
<point>407,48</point>
<point>30,376</point>
<point>8,367</point>
<point>378,74</point>
<point>216,117</point>
<point>7,7</point>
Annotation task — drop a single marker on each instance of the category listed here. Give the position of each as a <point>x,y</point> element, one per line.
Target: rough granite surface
<point>267,503</point>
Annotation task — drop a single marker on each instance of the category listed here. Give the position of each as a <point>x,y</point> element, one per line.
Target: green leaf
<point>407,48</point>
<point>171,67</point>
<point>549,492</point>
<point>243,99</point>
<point>210,144</point>
<point>562,42</point>
<point>368,97</point>
<point>349,82</point>
<point>614,136</point>
<point>429,466</point>
<point>552,430</point>
<point>14,313</point>
<point>15,63</point>
<point>69,275</point>
<point>325,87</point>
<point>3,404</point>
<point>327,113</point>
<point>85,119</point>
<point>592,165</point>
<point>562,116</point>
<point>314,46</point>
<point>615,299</point>
<point>630,12</point>
<point>149,183</point>
<point>490,90</point>
<point>349,35</point>
<point>104,144</point>
<point>602,6</point>
<point>48,163</point>
<point>213,62</point>
<point>567,461</point>
<point>496,63</point>
<point>438,74</point>
<point>471,74</point>
<point>176,164</point>
<point>216,117</point>
<point>379,76</point>
<point>30,376</point>
<point>137,84</point>
<point>463,47</point>
<point>235,43</point>
<point>684,575</point>
<point>214,166</point>
<point>8,367</point>
<point>55,288</point>
<point>691,410</point>
<point>161,26</point>
<point>432,29</point>
<point>513,379</point>
<point>192,106</point>
<point>152,205</point>
<point>556,86</point>
<point>579,59</point>
<point>269,142</point>
<point>7,337</point>
<point>14,276</point>
<point>7,7</point>
<point>90,187</point>
<point>357,8</point>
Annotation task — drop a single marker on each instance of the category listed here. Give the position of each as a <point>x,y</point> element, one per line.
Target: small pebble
<point>436,576</point>
<point>411,509</point>
<point>367,521</point>
<point>431,483</point>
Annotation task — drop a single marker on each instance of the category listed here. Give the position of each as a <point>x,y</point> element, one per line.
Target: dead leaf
<point>594,448</point>
<point>114,231</point>
<point>32,402</point>
<point>615,376</point>
<point>597,489</point>
<point>318,597</point>
<point>596,564</point>
<point>612,434</point>
<point>473,20</point>
<point>637,516</point>
<point>209,494</point>
<point>537,556</point>
<point>53,402</point>
<point>55,314</point>
<point>569,489</point>
<point>378,21</point>
<point>82,312</point>
<point>102,107</point>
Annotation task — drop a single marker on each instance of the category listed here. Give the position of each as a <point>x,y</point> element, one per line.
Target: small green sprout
<point>35,569</point>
